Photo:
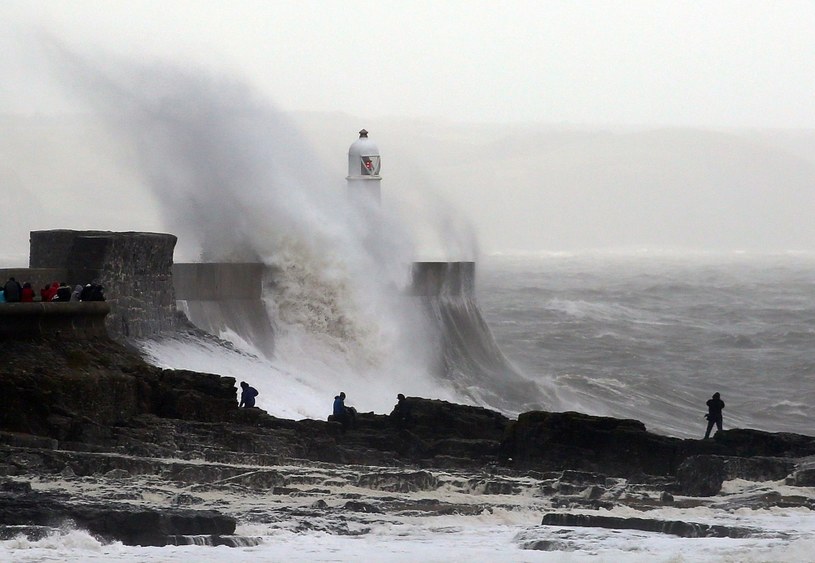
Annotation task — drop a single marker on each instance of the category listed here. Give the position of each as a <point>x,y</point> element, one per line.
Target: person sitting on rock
<point>401,415</point>
<point>346,416</point>
<point>247,395</point>
<point>714,414</point>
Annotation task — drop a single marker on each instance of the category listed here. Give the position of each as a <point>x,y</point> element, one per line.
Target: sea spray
<point>234,175</point>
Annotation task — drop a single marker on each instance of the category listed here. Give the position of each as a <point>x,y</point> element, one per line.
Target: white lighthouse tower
<point>363,170</point>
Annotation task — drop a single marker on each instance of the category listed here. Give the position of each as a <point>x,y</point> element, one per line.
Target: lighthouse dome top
<point>363,158</point>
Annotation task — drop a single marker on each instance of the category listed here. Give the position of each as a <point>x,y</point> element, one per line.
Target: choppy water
<point>653,336</point>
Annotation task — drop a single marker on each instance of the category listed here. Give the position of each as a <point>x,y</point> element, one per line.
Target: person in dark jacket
<point>714,414</point>
<point>92,292</point>
<point>12,290</point>
<point>63,293</point>
<point>347,416</point>
<point>247,395</point>
<point>401,414</point>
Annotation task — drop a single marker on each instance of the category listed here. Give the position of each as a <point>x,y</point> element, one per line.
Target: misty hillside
<point>516,187</point>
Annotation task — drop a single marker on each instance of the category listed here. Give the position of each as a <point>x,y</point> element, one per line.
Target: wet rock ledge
<point>112,521</point>
<point>95,408</point>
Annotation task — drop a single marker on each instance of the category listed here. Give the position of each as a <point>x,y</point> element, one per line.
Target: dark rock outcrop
<point>554,441</point>
<point>746,442</point>
<point>80,391</point>
<point>703,475</point>
<point>99,395</point>
<point>550,441</point>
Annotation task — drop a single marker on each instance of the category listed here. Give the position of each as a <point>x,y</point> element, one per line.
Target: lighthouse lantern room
<point>363,168</point>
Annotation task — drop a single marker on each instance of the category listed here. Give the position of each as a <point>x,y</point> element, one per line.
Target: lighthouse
<point>363,169</point>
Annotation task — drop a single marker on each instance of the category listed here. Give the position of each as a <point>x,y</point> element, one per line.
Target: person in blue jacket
<point>342,414</point>
<point>247,395</point>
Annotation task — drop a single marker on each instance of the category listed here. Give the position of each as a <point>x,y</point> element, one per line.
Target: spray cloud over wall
<point>234,174</point>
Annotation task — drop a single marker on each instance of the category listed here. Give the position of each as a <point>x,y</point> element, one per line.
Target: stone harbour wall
<point>74,321</point>
<point>135,269</point>
<point>443,279</point>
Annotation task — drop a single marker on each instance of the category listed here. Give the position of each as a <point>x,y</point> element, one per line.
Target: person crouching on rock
<point>714,414</point>
<point>347,416</point>
<point>247,395</point>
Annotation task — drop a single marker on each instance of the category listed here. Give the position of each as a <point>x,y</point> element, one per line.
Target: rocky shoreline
<point>92,436</point>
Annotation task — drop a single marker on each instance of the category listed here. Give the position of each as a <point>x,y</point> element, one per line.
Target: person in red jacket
<point>27,293</point>
<point>51,292</point>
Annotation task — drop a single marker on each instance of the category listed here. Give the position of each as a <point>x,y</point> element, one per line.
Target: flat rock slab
<point>130,525</point>
<point>672,527</point>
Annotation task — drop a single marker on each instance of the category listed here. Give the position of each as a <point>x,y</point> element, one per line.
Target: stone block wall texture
<point>134,268</point>
<point>218,281</point>
<point>38,277</point>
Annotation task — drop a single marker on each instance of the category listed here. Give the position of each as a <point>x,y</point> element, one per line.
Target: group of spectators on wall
<point>14,292</point>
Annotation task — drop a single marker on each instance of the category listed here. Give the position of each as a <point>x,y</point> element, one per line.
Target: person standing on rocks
<point>714,414</point>
<point>247,395</point>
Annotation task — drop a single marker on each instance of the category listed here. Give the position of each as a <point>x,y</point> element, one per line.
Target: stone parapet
<point>75,321</point>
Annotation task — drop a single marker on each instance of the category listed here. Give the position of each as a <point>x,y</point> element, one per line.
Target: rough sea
<point>652,336</point>
<point>641,335</point>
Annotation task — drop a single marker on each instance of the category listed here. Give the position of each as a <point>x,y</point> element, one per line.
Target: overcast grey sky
<point>714,63</point>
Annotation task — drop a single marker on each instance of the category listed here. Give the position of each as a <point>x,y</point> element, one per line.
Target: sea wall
<point>134,268</point>
<point>218,281</point>
<point>443,278</point>
<point>468,357</point>
<point>74,321</point>
<point>225,300</point>
<point>145,290</point>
